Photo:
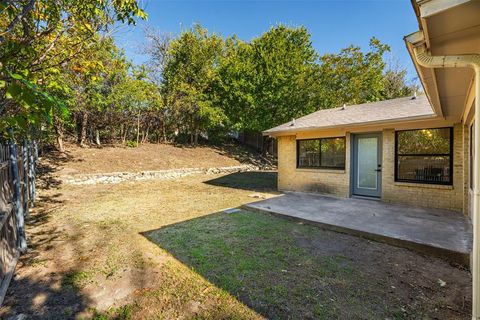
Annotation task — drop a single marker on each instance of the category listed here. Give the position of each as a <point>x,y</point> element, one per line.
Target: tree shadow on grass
<point>34,290</point>
<point>51,162</point>
<point>39,287</point>
<point>287,270</point>
<point>43,299</point>
<point>255,258</point>
<point>250,180</point>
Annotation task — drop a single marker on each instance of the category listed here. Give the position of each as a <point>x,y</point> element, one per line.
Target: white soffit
<point>450,27</point>
<point>431,7</point>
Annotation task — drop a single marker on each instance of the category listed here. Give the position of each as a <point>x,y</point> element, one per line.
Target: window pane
<point>333,152</point>
<point>309,153</point>
<point>367,162</point>
<point>425,169</point>
<point>426,141</point>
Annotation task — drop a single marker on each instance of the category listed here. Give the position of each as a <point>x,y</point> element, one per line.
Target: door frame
<point>353,161</point>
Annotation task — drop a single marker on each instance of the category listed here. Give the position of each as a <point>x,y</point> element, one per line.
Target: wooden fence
<point>17,194</point>
<point>256,140</point>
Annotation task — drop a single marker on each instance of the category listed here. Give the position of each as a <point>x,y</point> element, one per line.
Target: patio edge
<point>454,257</point>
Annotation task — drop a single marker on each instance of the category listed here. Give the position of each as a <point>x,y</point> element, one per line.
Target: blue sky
<point>333,24</point>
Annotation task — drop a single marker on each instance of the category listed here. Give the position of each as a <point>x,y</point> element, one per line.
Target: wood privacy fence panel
<point>256,140</point>
<point>17,193</point>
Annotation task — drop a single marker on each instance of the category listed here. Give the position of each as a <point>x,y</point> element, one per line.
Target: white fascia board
<point>415,38</point>
<point>429,8</point>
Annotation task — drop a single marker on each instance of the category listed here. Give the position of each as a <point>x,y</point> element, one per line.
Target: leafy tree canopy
<point>189,74</point>
<point>40,39</point>
<point>269,80</point>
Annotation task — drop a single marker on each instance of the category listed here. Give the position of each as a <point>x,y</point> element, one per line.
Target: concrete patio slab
<point>433,231</point>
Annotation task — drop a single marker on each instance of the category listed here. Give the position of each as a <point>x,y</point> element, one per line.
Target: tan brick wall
<point>338,182</point>
<point>309,180</point>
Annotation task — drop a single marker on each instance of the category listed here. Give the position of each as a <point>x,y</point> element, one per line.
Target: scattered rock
<point>194,306</point>
<point>442,283</point>
<point>20,316</point>
<point>234,210</point>
<point>117,177</point>
<point>257,196</point>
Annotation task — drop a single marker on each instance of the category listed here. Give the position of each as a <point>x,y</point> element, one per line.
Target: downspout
<point>466,61</point>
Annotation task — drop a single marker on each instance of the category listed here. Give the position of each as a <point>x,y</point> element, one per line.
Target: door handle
<point>378,170</point>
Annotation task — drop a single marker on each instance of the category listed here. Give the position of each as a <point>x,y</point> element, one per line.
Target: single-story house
<point>397,150</point>
<point>421,150</point>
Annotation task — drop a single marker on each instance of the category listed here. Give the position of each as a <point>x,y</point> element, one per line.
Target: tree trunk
<point>164,132</point>
<point>75,121</point>
<point>265,145</point>
<point>145,136</point>
<point>83,130</point>
<point>125,132</point>
<point>59,134</point>
<point>97,137</point>
<point>138,128</point>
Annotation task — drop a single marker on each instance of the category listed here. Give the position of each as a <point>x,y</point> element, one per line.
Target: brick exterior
<point>334,182</point>
<point>309,180</point>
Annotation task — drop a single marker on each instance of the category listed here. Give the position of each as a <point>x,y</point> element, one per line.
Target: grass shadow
<point>51,162</point>
<point>251,180</point>
<point>44,304</point>
<point>37,293</point>
<point>287,270</point>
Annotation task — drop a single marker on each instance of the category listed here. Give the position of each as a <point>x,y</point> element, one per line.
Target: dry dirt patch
<point>147,157</point>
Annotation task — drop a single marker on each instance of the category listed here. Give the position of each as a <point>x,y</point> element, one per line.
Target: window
<point>424,156</point>
<point>321,153</point>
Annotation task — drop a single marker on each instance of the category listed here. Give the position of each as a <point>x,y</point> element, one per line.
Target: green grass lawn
<point>285,269</point>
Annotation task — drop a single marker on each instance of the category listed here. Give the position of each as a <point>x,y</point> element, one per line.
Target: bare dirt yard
<point>166,249</point>
<point>147,157</point>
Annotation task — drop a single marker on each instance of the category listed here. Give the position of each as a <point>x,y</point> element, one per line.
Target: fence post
<point>25,177</point>
<point>22,241</point>
<point>33,153</point>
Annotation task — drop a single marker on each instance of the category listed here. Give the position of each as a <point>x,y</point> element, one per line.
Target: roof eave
<point>427,76</point>
<point>346,126</point>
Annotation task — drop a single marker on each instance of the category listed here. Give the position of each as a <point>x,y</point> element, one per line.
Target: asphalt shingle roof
<point>383,111</point>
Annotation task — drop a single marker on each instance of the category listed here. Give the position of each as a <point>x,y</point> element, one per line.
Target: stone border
<point>117,177</point>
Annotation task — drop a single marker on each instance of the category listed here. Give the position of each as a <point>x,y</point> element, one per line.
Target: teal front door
<point>367,165</point>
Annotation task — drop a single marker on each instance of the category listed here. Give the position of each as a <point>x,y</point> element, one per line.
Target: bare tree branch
<point>157,49</point>
<point>49,48</point>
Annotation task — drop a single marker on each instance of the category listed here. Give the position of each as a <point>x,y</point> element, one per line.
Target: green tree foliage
<point>270,80</point>
<point>395,84</point>
<point>38,40</point>
<point>139,102</point>
<point>189,76</point>
<point>91,77</point>
<point>352,76</point>
<point>61,73</point>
